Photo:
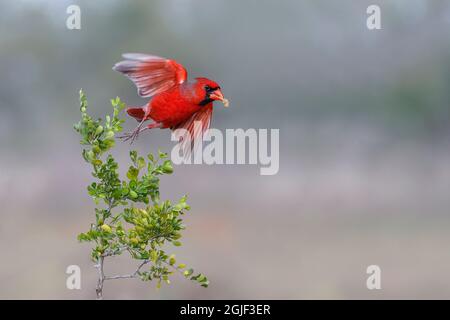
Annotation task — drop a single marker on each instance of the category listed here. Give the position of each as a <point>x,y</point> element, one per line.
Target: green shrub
<point>130,217</point>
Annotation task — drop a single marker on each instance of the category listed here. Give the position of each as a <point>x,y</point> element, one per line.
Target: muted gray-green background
<point>364,119</point>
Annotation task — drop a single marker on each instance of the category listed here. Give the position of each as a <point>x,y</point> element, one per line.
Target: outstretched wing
<point>194,127</point>
<point>151,74</point>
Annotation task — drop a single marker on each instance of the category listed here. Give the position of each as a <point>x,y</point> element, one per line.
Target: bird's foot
<point>131,136</point>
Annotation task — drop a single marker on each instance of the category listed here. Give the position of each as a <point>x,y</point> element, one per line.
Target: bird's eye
<point>207,88</point>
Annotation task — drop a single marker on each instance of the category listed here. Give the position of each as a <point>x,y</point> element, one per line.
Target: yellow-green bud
<point>167,167</point>
<point>133,194</point>
<point>99,130</point>
<point>90,155</point>
<point>106,228</point>
<point>109,134</point>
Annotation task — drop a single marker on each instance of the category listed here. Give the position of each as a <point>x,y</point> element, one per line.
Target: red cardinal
<point>176,103</point>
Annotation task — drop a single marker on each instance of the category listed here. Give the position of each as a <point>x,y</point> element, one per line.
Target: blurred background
<point>364,119</point>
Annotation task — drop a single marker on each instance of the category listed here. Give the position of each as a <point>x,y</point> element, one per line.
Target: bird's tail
<point>137,112</point>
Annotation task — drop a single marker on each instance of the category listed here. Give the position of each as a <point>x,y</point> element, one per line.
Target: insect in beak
<point>217,95</point>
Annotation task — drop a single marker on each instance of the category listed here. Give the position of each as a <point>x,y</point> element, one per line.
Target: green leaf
<point>154,255</point>
<point>167,167</point>
<point>98,130</point>
<point>133,194</point>
<point>106,228</point>
<point>201,278</point>
<point>162,155</point>
<point>132,173</point>
<point>187,273</point>
<point>109,134</point>
<point>140,163</point>
<point>205,284</point>
<point>133,155</point>
<point>176,243</point>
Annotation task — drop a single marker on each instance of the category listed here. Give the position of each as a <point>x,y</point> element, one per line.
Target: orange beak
<point>217,95</point>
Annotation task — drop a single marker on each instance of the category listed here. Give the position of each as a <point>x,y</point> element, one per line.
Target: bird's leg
<point>135,133</point>
<point>152,126</point>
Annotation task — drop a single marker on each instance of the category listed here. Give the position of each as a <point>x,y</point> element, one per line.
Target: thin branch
<point>125,276</point>
<point>118,251</point>
<point>101,278</point>
<point>99,265</point>
<point>129,276</point>
<point>174,268</point>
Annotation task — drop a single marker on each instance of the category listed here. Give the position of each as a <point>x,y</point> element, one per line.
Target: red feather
<point>202,118</point>
<point>176,103</point>
<point>151,74</point>
<point>136,112</point>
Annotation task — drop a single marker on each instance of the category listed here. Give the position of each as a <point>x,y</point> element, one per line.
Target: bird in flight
<point>176,102</point>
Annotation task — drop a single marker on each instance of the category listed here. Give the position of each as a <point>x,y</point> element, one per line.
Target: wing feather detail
<point>151,74</point>
<point>194,129</point>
